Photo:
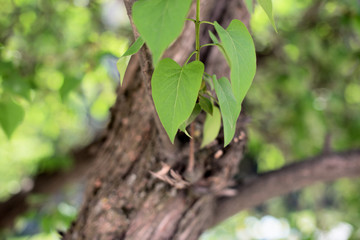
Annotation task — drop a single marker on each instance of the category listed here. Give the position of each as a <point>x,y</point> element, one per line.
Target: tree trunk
<point>127,196</point>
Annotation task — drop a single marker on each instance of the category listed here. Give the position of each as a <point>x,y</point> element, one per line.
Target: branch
<point>290,178</point>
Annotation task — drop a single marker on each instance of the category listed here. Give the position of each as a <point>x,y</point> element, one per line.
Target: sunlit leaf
<point>11,116</point>
<point>267,6</point>
<point>124,59</point>
<point>228,107</point>
<point>175,90</point>
<point>121,65</point>
<point>160,22</point>
<point>134,48</point>
<point>211,127</point>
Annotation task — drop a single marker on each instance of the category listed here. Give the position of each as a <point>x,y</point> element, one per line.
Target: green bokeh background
<point>58,63</point>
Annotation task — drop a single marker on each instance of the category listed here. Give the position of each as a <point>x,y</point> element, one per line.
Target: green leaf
<point>13,82</point>
<point>175,90</point>
<point>134,48</point>
<point>267,6</point>
<point>11,116</point>
<point>69,85</point>
<point>124,59</point>
<point>121,66</point>
<point>211,127</point>
<point>228,107</point>
<point>221,48</point>
<point>196,111</point>
<point>240,49</point>
<point>160,22</point>
<point>249,6</point>
<point>213,37</point>
<point>206,105</point>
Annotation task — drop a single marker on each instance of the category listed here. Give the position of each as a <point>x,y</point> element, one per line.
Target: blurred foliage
<point>305,100</point>
<point>58,68</point>
<point>58,64</point>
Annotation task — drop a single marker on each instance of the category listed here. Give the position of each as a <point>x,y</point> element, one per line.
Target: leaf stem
<point>188,59</point>
<point>208,44</point>
<point>207,22</point>
<point>208,74</point>
<point>191,162</point>
<point>192,20</point>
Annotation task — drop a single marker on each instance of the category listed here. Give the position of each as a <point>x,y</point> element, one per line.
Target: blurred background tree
<point>58,78</point>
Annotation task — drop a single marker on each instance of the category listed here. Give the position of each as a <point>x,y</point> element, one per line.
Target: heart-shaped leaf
<point>160,22</point>
<point>228,107</point>
<point>11,116</point>
<point>240,49</point>
<point>174,91</point>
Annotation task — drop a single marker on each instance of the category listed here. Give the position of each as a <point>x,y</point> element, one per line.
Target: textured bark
<point>125,201</point>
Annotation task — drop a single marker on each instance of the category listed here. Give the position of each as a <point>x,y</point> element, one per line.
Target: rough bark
<point>125,201</point>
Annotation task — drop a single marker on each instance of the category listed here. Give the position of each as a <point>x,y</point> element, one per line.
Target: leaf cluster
<point>181,92</point>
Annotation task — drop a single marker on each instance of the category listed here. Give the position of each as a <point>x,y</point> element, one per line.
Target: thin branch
<point>290,178</point>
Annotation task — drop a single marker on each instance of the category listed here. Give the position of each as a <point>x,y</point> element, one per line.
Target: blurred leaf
<point>211,127</point>
<point>13,82</point>
<point>68,85</point>
<point>11,116</point>
<point>268,8</point>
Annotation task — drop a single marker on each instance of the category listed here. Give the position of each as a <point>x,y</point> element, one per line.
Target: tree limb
<point>290,178</point>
